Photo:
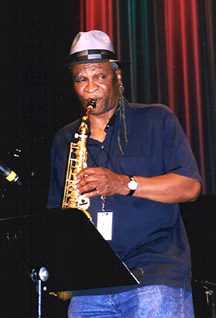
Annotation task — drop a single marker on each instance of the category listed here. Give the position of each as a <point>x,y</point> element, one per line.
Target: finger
<point>84,186</point>
<point>87,194</point>
<point>89,181</point>
<point>83,173</point>
<point>93,193</point>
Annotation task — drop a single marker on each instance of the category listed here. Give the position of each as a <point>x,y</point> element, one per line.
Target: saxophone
<point>76,163</point>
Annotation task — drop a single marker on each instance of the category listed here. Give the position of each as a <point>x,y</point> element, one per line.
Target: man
<point>140,167</point>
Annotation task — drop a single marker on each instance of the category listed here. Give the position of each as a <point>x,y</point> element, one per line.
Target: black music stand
<point>64,249</point>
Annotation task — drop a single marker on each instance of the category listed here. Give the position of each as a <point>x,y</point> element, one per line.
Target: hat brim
<point>120,63</point>
<point>94,56</point>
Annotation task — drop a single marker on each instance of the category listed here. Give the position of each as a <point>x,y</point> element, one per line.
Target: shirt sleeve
<point>178,156</point>
<point>55,189</point>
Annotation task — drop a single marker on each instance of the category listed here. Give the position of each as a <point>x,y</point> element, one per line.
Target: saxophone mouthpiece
<point>92,103</point>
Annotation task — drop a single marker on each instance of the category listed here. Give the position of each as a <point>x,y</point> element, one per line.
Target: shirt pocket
<point>132,166</point>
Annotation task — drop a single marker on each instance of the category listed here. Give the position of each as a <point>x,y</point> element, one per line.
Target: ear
<point>118,74</point>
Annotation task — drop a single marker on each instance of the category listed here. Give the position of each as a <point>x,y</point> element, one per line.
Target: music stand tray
<point>68,244</point>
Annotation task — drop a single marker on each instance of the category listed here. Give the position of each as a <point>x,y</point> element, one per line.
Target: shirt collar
<point>112,120</point>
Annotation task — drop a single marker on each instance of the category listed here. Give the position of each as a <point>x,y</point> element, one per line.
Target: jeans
<point>157,301</point>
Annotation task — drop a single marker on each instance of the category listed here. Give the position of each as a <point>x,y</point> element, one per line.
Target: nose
<point>91,86</point>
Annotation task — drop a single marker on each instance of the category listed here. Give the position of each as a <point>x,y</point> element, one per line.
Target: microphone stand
<point>38,277</point>
<point>210,291</point>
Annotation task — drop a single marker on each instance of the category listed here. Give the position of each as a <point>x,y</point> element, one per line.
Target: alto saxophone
<point>77,161</point>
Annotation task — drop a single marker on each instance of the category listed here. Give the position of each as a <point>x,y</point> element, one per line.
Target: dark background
<point>36,95</point>
<point>36,100</point>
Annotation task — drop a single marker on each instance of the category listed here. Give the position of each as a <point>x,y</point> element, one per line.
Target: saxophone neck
<point>83,129</point>
<point>90,105</point>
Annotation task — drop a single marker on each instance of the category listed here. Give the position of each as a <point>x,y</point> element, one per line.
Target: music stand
<point>67,245</point>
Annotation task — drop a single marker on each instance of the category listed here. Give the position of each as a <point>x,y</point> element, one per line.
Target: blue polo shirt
<point>146,234</point>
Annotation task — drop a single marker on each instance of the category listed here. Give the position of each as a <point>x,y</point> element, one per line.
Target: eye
<point>101,77</point>
<point>80,80</point>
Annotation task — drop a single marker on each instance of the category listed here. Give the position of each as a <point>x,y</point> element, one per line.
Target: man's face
<point>98,81</point>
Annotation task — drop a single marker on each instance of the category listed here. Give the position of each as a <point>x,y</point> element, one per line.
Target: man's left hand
<point>100,181</point>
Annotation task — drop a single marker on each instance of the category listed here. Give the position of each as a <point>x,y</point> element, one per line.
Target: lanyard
<point>103,197</point>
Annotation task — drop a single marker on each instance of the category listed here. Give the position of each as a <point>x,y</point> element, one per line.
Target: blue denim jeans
<point>157,301</point>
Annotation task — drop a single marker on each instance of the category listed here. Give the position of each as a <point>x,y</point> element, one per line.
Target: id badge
<point>105,224</point>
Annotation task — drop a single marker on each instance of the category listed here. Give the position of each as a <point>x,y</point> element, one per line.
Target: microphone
<point>9,174</point>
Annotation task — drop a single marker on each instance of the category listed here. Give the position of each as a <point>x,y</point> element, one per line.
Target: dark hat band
<point>92,55</point>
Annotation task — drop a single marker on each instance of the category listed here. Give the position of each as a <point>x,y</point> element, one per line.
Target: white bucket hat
<point>92,47</point>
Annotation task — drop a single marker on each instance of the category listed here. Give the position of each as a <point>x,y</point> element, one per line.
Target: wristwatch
<point>132,185</point>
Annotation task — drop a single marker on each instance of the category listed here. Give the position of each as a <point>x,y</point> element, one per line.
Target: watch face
<point>132,185</point>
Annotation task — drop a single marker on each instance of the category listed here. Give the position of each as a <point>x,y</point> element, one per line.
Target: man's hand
<point>168,188</point>
<point>100,181</point>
